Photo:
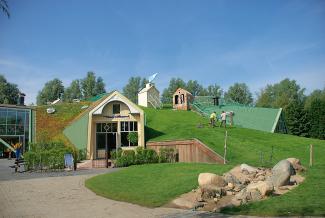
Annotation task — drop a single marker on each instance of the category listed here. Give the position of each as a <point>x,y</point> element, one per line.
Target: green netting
<point>264,119</point>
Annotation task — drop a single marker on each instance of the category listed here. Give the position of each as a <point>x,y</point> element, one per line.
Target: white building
<point>149,97</point>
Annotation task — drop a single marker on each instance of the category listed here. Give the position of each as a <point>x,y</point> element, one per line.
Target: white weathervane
<point>152,77</point>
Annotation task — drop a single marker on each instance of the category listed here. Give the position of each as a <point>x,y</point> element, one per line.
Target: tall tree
<point>195,88</point>
<point>316,94</point>
<point>4,7</point>
<point>100,86</point>
<point>214,90</point>
<point>280,94</point>
<point>8,91</point>
<point>174,84</point>
<point>239,92</point>
<point>73,91</point>
<point>50,92</point>
<point>88,85</point>
<point>317,118</point>
<point>132,89</point>
<point>144,81</point>
<point>297,119</point>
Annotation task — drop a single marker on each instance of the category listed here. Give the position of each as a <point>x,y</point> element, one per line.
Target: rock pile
<point>240,185</point>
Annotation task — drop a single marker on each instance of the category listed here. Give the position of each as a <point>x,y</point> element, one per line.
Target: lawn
<point>244,146</point>
<point>151,185</point>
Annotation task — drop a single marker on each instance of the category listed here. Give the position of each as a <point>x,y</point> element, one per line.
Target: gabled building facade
<point>106,125</point>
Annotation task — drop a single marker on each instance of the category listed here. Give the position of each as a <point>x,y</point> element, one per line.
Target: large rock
<point>296,164</point>
<point>184,203</point>
<point>230,178</point>
<point>210,191</point>
<point>281,173</point>
<point>264,187</point>
<point>206,179</point>
<point>249,169</point>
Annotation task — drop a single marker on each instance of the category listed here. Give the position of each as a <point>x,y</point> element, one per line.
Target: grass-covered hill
<point>50,126</point>
<point>155,185</point>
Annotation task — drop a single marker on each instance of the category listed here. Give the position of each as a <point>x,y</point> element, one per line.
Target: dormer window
<point>116,108</point>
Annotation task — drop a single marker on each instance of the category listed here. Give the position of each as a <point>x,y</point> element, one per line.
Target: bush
<point>133,138</point>
<point>167,155</point>
<point>116,154</point>
<point>127,159</point>
<point>46,155</point>
<point>141,156</point>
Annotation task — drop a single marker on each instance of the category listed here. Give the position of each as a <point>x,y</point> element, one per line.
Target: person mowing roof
<point>213,117</point>
<point>223,119</point>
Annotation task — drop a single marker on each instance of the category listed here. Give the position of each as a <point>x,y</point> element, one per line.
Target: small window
<point>116,108</point>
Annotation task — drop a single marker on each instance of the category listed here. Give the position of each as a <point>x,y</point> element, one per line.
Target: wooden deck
<point>189,151</point>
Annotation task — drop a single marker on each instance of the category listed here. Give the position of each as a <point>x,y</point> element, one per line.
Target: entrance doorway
<point>106,138</point>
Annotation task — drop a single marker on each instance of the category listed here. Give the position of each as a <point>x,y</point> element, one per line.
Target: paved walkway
<point>63,194</point>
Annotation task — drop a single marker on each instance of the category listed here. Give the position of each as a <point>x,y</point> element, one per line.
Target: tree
<point>174,84</point>
<point>8,91</point>
<point>88,85</point>
<point>297,119</point>
<point>195,88</point>
<point>50,92</point>
<point>4,7</point>
<point>100,86</point>
<point>316,94</point>
<point>281,94</point>
<point>73,91</point>
<point>144,81</point>
<point>132,89</point>
<point>239,92</point>
<point>214,90</point>
<point>317,118</point>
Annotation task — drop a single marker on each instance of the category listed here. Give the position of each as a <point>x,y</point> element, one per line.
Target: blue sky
<point>223,42</point>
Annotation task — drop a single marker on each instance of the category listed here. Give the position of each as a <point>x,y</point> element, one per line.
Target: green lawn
<point>151,185</point>
<point>244,146</point>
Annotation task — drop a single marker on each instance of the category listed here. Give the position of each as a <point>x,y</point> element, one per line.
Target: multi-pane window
<point>126,128</point>
<point>106,127</point>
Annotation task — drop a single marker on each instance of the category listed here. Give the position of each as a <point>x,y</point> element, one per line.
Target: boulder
<point>249,169</point>
<point>230,178</point>
<point>296,179</point>
<point>255,195</point>
<point>206,179</point>
<point>296,164</point>
<point>264,187</point>
<point>209,192</point>
<point>281,173</point>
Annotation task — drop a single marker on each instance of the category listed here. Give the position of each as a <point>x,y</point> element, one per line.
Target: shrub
<point>150,156</point>
<point>46,155</point>
<point>167,155</point>
<point>127,159</point>
<point>116,154</point>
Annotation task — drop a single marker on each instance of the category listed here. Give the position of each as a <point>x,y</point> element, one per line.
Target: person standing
<point>223,119</point>
<point>213,117</point>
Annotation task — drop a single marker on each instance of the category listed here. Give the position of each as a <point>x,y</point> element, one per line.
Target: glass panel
<point>122,126</point>
<point>20,118</point>
<point>101,140</point>
<point>19,130</point>
<point>131,126</point>
<point>11,117</point>
<point>98,127</point>
<point>27,120</point>
<point>3,116</point>
<point>116,108</point>
<point>135,126</point>
<point>135,144</point>
<point>11,129</point>
<point>2,129</point>
<point>124,139</point>
<point>126,126</point>
<point>114,127</point>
